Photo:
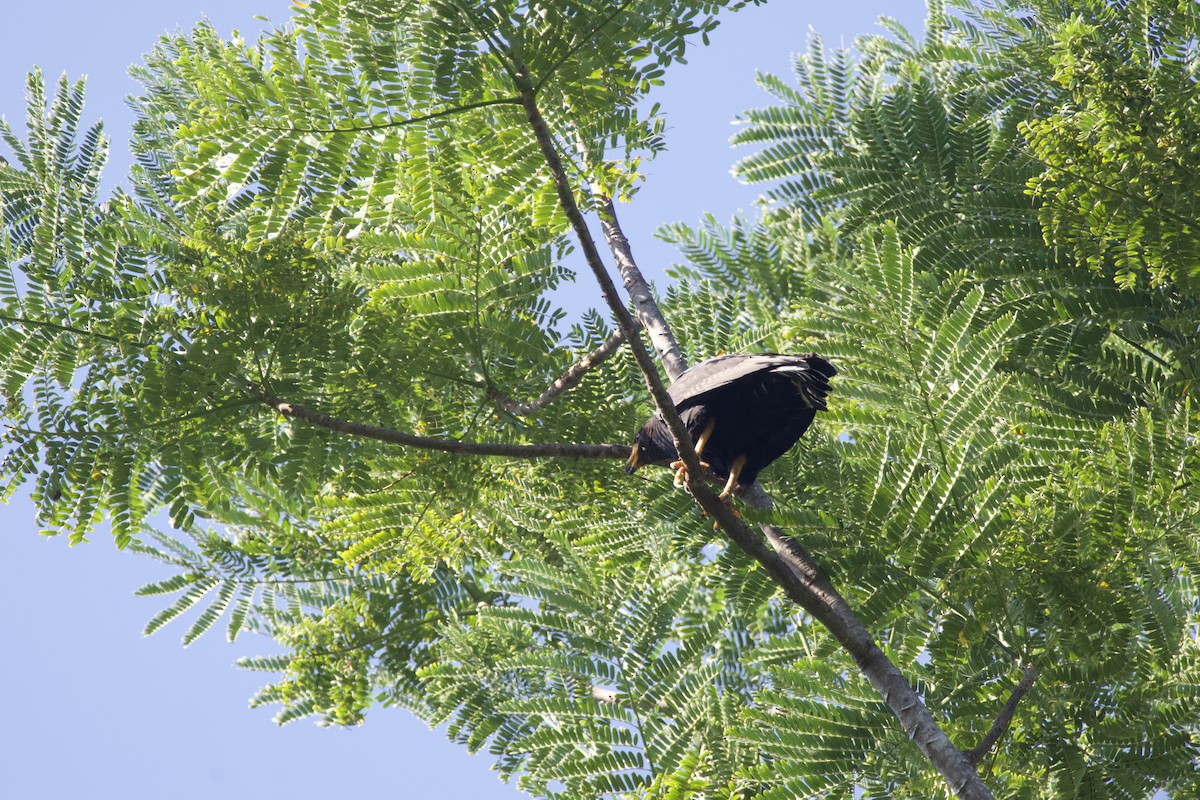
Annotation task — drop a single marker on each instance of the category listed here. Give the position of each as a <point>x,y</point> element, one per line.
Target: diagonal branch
<point>648,312</point>
<point>795,570</point>
<point>564,383</point>
<point>1005,717</point>
<point>399,123</point>
<point>443,445</point>
<point>29,322</point>
<point>785,560</point>
<point>625,321</point>
<point>580,44</point>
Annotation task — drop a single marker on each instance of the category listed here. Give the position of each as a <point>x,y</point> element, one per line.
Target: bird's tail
<point>811,376</point>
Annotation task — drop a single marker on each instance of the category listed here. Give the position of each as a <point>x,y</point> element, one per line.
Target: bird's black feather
<point>759,406</point>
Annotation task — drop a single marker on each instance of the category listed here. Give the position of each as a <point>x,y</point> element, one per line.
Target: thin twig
<point>400,123</point>
<point>443,445</point>
<point>1142,349</point>
<point>1004,718</point>
<point>565,382</point>
<point>54,326</point>
<point>579,45</point>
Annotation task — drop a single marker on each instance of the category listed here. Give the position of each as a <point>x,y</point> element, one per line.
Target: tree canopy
<point>304,358</point>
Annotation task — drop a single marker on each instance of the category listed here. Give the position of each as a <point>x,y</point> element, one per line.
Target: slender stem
<point>112,433</point>
<point>54,326</point>
<point>564,383</point>
<point>443,445</point>
<point>400,123</point>
<point>579,45</point>
<point>1142,349</point>
<point>1005,717</point>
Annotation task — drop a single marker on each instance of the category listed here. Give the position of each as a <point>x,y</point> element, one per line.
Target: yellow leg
<point>734,472</point>
<point>678,465</point>
<point>680,472</point>
<point>739,464</point>
<point>704,437</point>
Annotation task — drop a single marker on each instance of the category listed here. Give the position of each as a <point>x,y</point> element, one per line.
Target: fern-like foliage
<point>1122,145</point>
<point>348,632</point>
<point>357,119</point>
<point>73,299</point>
<point>350,213</point>
<point>927,134</point>
<point>592,679</point>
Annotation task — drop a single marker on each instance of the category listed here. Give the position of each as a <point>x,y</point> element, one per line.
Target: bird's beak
<point>632,464</point>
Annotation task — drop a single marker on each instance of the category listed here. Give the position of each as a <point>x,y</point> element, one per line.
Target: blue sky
<point>95,710</point>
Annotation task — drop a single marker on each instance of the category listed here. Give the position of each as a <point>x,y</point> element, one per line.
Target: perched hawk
<point>742,412</point>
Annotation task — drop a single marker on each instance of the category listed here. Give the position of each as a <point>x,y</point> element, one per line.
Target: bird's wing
<point>724,370</point>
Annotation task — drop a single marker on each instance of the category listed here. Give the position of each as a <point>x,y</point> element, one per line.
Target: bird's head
<point>652,445</point>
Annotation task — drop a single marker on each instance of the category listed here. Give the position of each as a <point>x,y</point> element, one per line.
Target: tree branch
<point>1005,717</point>
<point>400,123</point>
<point>625,321</point>
<point>648,312</point>
<point>787,564</point>
<point>27,322</point>
<point>443,445</point>
<point>565,382</point>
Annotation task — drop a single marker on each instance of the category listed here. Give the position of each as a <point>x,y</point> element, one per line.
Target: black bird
<point>742,412</point>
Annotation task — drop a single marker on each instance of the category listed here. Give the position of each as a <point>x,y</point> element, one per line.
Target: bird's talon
<point>680,468</point>
<point>680,473</point>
